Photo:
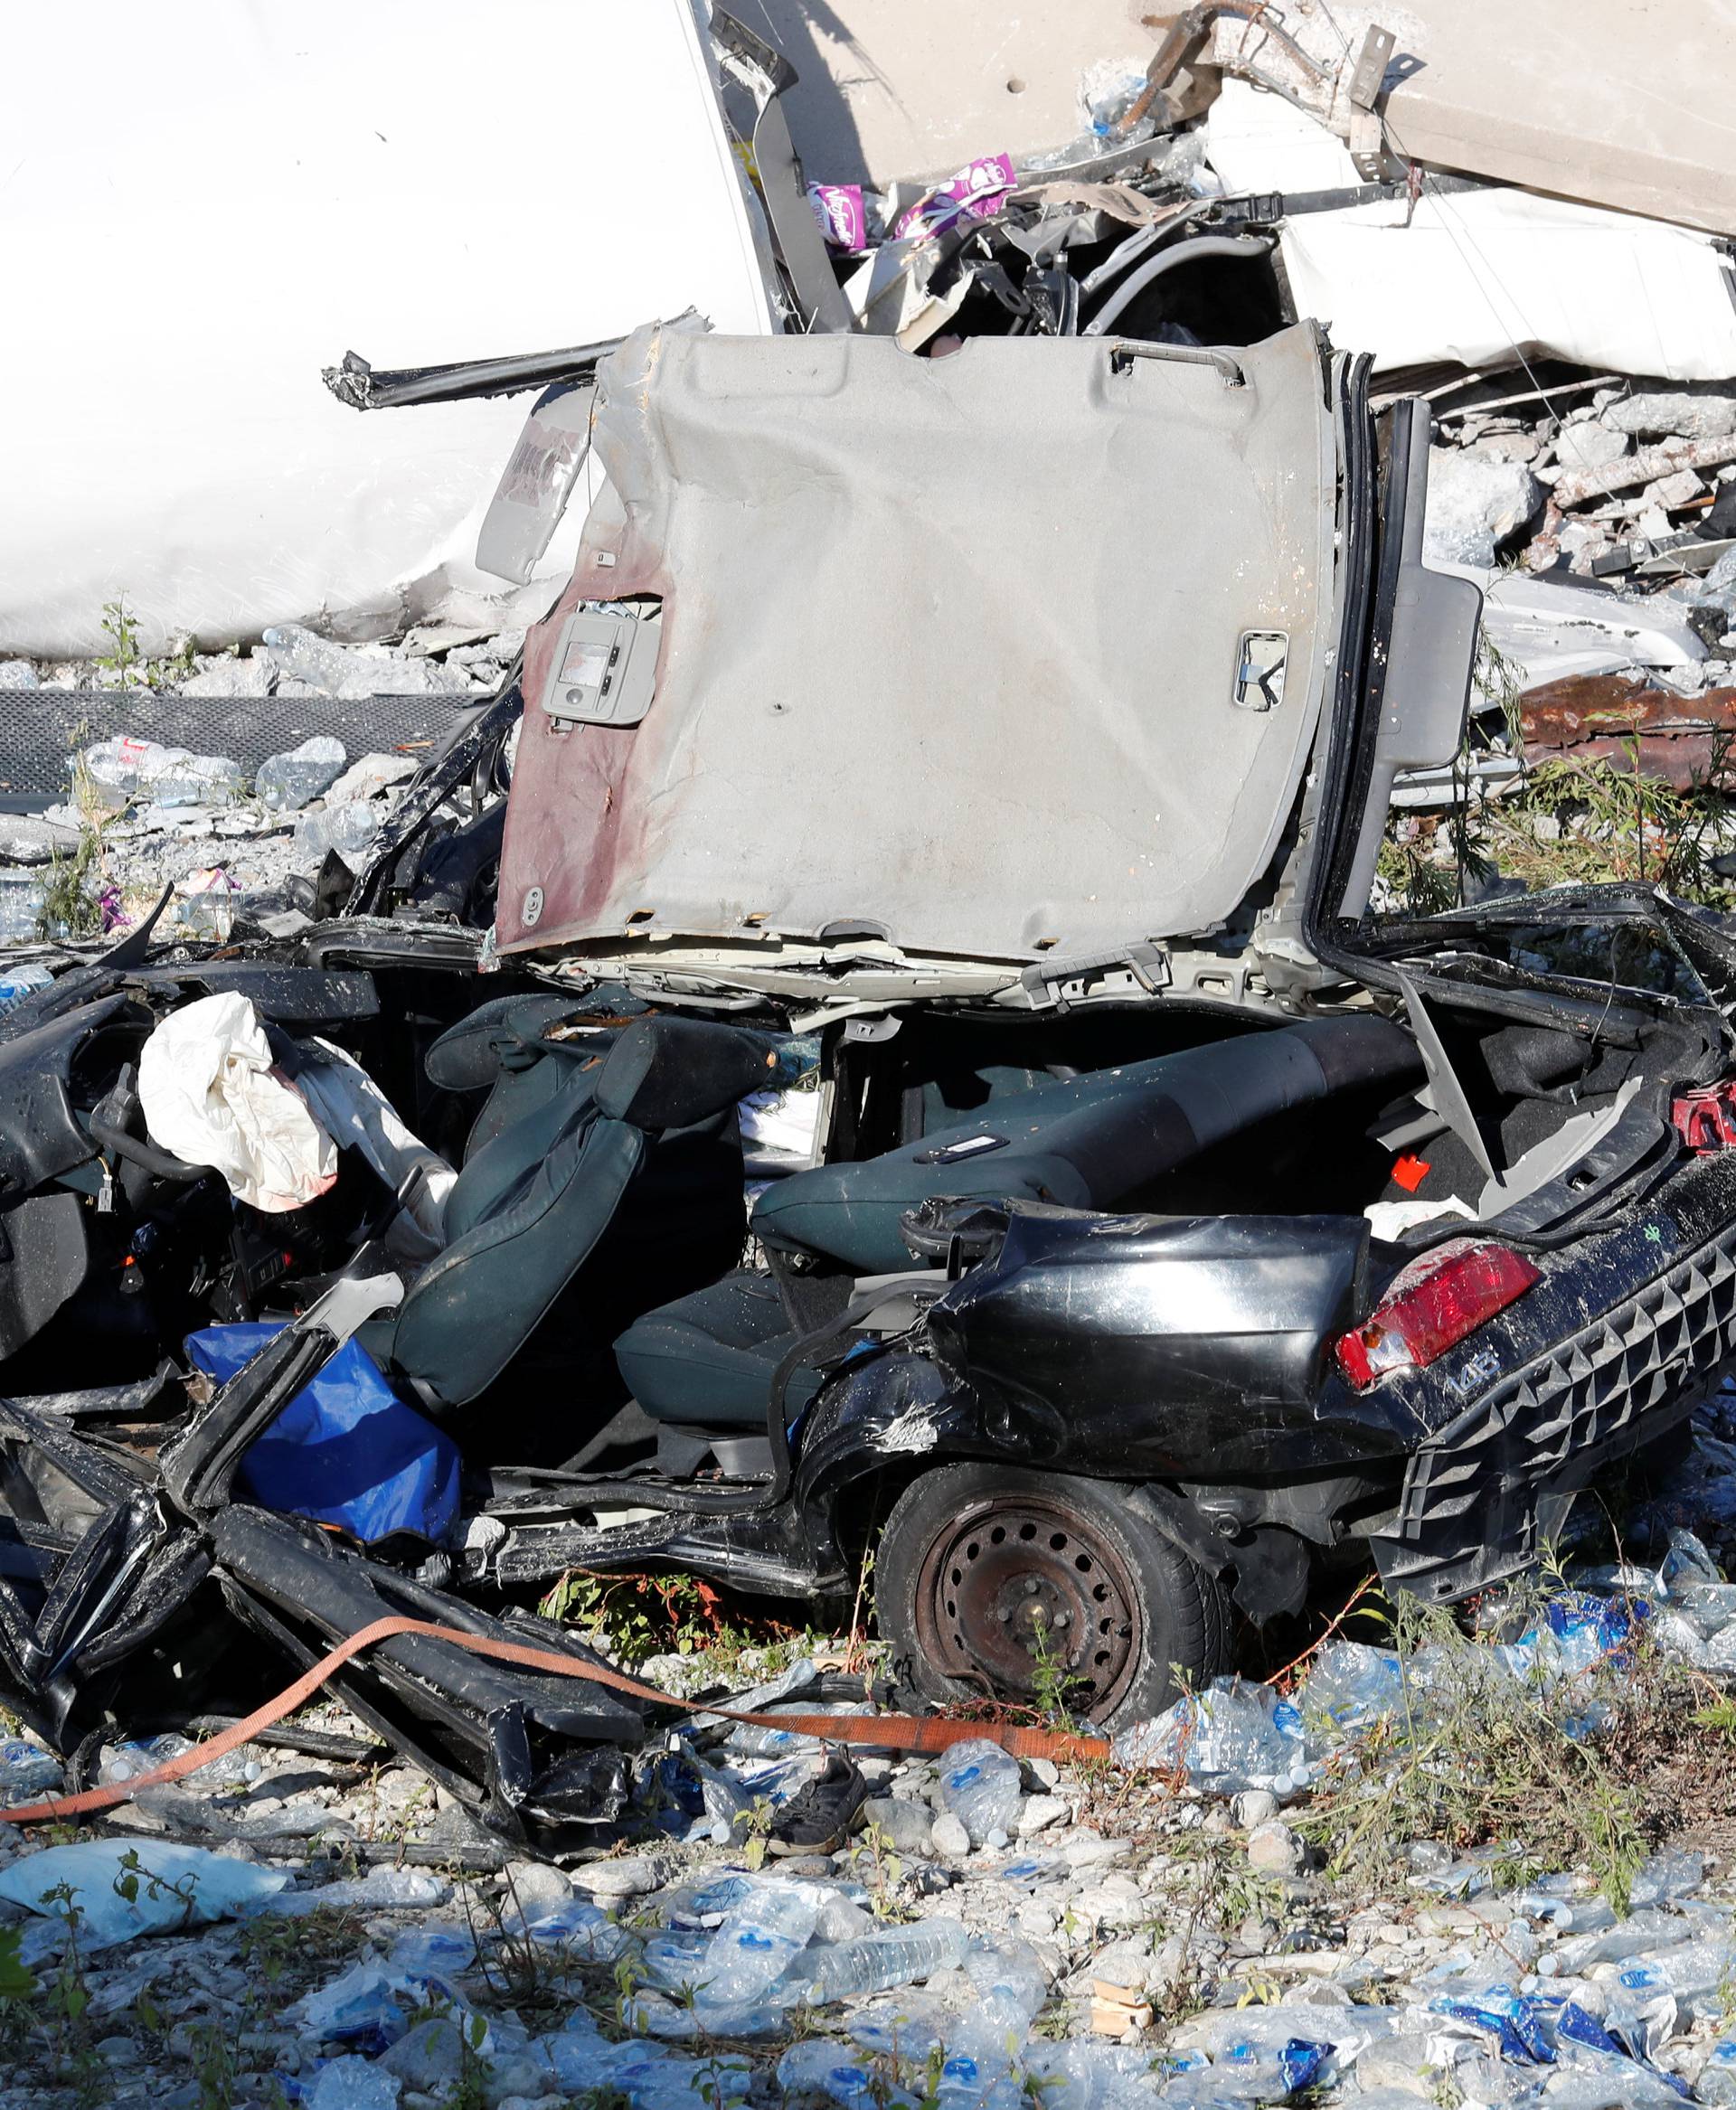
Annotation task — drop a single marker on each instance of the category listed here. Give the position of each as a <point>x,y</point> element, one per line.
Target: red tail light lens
<point>1431,1305</point>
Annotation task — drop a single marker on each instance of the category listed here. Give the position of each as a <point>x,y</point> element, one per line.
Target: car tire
<point>977,1560</point>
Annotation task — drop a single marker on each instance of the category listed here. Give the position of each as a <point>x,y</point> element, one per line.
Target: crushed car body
<point>1159,1226</point>
<point>879,1035</point>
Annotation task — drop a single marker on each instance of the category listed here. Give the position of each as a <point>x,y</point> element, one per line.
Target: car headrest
<point>507,1033</point>
<point>672,1072</point>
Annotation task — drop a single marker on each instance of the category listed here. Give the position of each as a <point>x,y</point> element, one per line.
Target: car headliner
<point>949,644</point>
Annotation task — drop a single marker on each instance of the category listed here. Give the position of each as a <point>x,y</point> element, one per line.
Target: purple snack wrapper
<point>843,219</point>
<point>978,192</point>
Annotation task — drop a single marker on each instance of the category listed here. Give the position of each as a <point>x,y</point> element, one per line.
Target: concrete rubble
<point>235,847</point>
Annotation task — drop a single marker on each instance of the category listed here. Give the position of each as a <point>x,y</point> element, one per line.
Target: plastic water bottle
<point>770,1743</point>
<point>580,1929</point>
<point>18,982</point>
<point>1670,1874</point>
<point>758,1941</point>
<point>1011,1990</point>
<point>1267,2058</point>
<point>1717,2082</point>
<point>677,1958</point>
<point>127,767</point>
<point>876,1962</point>
<point>980,1787</point>
<point>1011,1970</point>
<point>286,782</point>
<point>1635,1936</point>
<point>298,653</point>
<point>1351,1686</point>
<point>1694,1967</point>
<point>353,2084</point>
<point>820,2067</point>
<point>1086,2074</point>
<point>26,1770</point>
<point>348,829</point>
<point>21,907</point>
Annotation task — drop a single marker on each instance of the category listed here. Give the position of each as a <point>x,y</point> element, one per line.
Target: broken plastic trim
<point>766,74</point>
<point>198,1467</point>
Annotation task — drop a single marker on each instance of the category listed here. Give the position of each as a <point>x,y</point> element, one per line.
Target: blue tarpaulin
<point>345,1450</point>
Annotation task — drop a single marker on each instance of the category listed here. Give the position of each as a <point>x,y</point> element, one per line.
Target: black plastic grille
<point>1613,1386</point>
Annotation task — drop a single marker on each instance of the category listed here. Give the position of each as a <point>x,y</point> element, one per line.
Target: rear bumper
<point>1482,1496</point>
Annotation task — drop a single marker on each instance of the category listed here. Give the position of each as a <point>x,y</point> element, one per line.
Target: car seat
<point>556,1188</point>
<point>1092,1141</point>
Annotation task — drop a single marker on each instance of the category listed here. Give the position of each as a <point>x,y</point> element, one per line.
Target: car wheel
<point>1032,1587</point>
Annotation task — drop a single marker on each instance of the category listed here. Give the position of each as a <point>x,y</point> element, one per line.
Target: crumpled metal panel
<point>950,647</point>
<point>1598,718</point>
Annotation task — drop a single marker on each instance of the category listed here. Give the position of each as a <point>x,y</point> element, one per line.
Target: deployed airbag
<point>213,1096</point>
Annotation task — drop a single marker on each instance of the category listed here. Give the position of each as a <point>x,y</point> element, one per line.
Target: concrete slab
<point>914,87</point>
<point>1625,103</point>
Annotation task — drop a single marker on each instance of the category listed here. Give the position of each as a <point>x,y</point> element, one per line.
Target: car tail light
<point>1705,1119</point>
<point>1431,1305</point>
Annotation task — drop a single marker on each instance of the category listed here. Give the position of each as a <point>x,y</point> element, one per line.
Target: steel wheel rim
<point>1011,1567</point>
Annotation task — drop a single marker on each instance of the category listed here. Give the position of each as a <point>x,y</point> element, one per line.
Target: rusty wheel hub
<point>1014,1585</point>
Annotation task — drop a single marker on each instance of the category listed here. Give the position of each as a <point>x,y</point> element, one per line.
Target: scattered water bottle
<point>1670,1874</point>
<point>877,1962</point>
<point>121,1762</point>
<point>19,982</point>
<point>907,2028</point>
<point>286,782</point>
<point>1351,1686</point>
<point>353,2084</point>
<point>980,1785</point>
<point>1695,1967</point>
<point>26,1771</point>
<point>21,909</point>
<point>758,1941</point>
<point>1231,1737</point>
<point>677,1958</point>
<point>1011,1990</point>
<point>349,828</point>
<point>204,905</point>
<point>820,2067</point>
<point>770,1743</point>
<point>1267,2059</point>
<point>1717,2082</point>
<point>298,653</point>
<point>580,1928</point>
<point>1633,1937</point>
<point>1086,2074</point>
<point>126,768</point>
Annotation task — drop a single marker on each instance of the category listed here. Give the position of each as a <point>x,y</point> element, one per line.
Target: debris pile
<point>1188,1929</point>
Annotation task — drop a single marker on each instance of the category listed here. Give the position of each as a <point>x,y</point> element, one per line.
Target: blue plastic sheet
<point>345,1450</point>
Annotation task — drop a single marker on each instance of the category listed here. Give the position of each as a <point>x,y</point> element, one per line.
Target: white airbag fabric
<point>213,1096</point>
<point>355,1111</point>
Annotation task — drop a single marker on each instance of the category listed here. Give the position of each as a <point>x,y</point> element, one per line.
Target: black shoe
<point>815,1820</point>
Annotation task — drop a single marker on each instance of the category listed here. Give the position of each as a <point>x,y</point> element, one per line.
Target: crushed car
<point>877,1037</point>
<point>1152,1227</point>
